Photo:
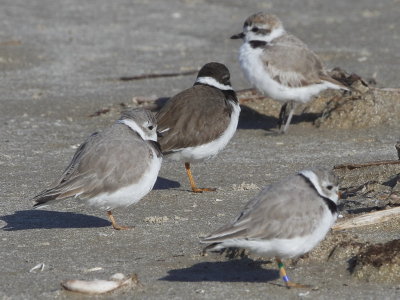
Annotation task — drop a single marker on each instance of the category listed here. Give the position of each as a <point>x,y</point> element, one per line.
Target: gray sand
<point>60,63</point>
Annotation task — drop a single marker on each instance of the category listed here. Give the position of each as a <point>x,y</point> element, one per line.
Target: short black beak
<point>159,134</point>
<point>237,36</point>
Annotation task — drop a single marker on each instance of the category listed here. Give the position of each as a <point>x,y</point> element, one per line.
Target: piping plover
<point>286,219</point>
<point>113,168</point>
<point>280,65</point>
<point>198,122</point>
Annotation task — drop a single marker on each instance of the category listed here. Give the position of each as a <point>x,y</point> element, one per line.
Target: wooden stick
<point>368,164</point>
<point>157,75</point>
<point>369,219</point>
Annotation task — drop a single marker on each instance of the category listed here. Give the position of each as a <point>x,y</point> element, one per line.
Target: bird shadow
<point>42,219</point>
<point>238,270</point>
<point>252,119</point>
<point>165,184</point>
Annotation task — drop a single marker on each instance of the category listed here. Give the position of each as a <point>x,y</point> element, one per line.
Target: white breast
<point>255,72</point>
<point>132,193</point>
<point>198,153</point>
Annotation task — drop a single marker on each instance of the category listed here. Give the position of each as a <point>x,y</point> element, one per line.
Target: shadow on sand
<point>237,270</point>
<point>165,184</point>
<point>43,219</point>
<point>252,119</point>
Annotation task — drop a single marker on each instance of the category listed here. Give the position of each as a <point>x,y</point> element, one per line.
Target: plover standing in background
<point>114,168</point>
<point>286,219</point>
<point>199,122</point>
<point>280,65</point>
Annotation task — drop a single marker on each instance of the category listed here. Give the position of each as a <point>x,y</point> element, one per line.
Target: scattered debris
<point>38,267</point>
<point>368,164</point>
<point>378,263</point>
<point>100,112</point>
<point>245,186</point>
<point>304,294</point>
<point>374,184</point>
<point>156,219</point>
<point>93,269</point>
<point>98,286</point>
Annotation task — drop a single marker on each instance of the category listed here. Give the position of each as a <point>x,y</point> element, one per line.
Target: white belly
<point>198,153</point>
<point>285,248</point>
<point>129,194</point>
<point>255,72</point>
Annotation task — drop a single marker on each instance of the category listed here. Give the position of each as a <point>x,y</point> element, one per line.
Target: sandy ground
<point>60,63</point>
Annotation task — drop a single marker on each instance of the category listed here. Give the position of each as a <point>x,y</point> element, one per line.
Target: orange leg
<point>195,189</point>
<point>114,224</point>
<point>289,284</point>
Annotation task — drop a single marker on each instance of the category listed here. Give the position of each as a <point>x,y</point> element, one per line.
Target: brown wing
<point>293,64</point>
<point>282,210</point>
<point>187,119</point>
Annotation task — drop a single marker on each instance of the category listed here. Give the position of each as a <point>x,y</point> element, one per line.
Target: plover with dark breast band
<point>114,168</point>
<point>280,65</point>
<point>199,122</point>
<point>286,219</point>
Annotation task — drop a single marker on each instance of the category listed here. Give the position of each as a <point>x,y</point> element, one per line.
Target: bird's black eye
<point>255,29</point>
<point>329,187</point>
<point>150,127</point>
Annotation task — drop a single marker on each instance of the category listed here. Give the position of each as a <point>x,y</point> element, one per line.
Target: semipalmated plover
<point>113,168</point>
<point>286,219</point>
<point>198,122</point>
<point>280,65</point>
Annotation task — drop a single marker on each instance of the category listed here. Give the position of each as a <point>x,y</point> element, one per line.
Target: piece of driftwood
<point>157,75</point>
<point>372,218</point>
<point>368,164</point>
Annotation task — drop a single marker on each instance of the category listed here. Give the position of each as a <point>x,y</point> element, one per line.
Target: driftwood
<point>157,75</point>
<point>368,164</point>
<point>372,218</point>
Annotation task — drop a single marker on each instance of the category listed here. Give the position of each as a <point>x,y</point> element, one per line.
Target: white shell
<point>97,286</point>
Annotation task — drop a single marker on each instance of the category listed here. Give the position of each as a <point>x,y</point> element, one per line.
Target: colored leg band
<point>280,265</point>
<point>285,278</point>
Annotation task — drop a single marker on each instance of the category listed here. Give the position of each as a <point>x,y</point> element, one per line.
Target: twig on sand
<point>157,75</point>
<point>368,164</point>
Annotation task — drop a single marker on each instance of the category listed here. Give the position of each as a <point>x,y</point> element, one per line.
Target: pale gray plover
<point>280,65</point>
<point>199,122</point>
<point>286,219</point>
<point>113,168</point>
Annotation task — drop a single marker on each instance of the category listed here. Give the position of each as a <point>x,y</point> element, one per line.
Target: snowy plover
<point>280,65</point>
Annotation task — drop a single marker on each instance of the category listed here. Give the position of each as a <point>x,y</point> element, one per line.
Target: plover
<point>113,168</point>
<point>198,122</point>
<point>280,65</point>
<point>286,219</point>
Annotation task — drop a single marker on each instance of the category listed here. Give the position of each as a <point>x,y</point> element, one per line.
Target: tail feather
<point>44,197</point>
<point>212,247</point>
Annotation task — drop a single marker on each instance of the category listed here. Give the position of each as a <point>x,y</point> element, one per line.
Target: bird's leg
<point>286,115</point>
<point>282,115</point>
<point>282,272</point>
<point>195,189</point>
<point>114,224</point>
